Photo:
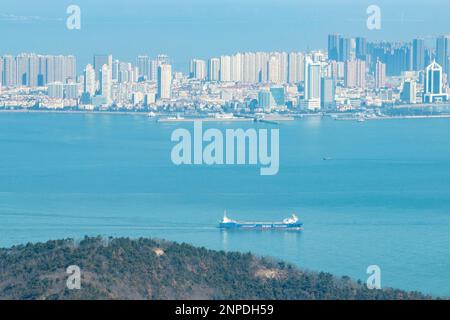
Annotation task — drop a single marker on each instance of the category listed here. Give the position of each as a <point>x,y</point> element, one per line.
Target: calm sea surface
<point>382,199</point>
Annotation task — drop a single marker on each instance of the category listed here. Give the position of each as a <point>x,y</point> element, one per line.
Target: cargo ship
<point>291,223</point>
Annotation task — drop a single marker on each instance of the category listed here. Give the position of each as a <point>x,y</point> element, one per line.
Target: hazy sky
<point>203,28</point>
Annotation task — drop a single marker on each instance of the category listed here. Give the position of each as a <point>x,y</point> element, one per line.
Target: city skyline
<point>203,29</point>
<point>349,74</point>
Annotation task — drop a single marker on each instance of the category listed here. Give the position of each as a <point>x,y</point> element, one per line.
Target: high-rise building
<point>355,74</point>
<point>106,84</point>
<point>236,67</point>
<point>327,95</point>
<point>143,64</point>
<point>442,50</point>
<point>409,91</point>
<point>198,69</point>
<point>361,48</point>
<point>312,84</point>
<point>165,81</point>
<point>418,54</point>
<point>225,68</point>
<point>22,69</point>
<point>9,71</point>
<point>214,69</point>
<point>334,47</point>
<point>99,61</point>
<point>115,70</point>
<point>434,84</point>
<point>348,49</point>
<point>295,70</point>
<point>1,72</point>
<point>273,67</point>
<point>89,86</point>
<point>380,75</point>
<point>33,70</point>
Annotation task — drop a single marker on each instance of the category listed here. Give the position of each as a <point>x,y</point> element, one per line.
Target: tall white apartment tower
<point>165,81</point>
<point>106,83</point>
<point>312,84</point>
<point>89,80</point>
<point>225,68</point>
<point>214,69</point>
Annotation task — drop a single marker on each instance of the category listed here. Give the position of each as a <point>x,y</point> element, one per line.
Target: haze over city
<point>200,28</point>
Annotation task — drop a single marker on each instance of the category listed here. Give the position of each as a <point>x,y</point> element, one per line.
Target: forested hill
<point>153,269</point>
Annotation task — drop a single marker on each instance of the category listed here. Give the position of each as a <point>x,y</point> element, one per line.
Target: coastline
<point>166,117</point>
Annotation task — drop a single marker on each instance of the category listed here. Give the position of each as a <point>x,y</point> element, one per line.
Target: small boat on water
<point>291,223</point>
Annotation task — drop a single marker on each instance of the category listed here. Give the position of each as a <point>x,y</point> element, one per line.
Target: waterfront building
<point>327,94</point>
<point>433,86</point>
<point>312,85</point>
<point>165,81</point>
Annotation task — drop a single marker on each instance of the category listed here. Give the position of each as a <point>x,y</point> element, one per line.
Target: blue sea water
<point>383,197</point>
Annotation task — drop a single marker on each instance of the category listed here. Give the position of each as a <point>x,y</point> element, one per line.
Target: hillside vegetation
<point>154,269</point>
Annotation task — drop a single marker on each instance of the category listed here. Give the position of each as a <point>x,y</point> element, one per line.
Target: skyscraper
<point>198,69</point>
<point>418,54</point>
<point>355,74</point>
<point>334,47</point>
<point>143,64</point>
<point>89,81</point>
<point>9,71</point>
<point>214,69</point>
<point>165,81</point>
<point>361,48</point>
<point>380,75</point>
<point>433,84</point>
<point>99,61</point>
<point>236,67</point>
<point>348,49</point>
<point>273,67</point>
<point>1,72</point>
<point>327,96</point>
<point>106,84</point>
<point>442,50</point>
<point>312,84</point>
<point>225,68</point>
